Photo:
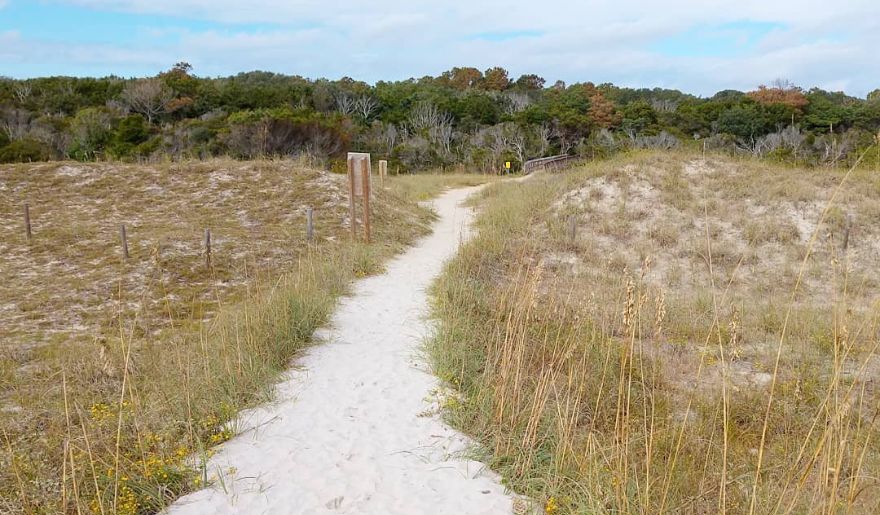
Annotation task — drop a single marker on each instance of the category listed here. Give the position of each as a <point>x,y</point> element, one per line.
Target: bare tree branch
<point>15,123</point>
<point>23,92</point>
<point>426,115</point>
<point>149,97</point>
<point>345,103</point>
<point>365,106</point>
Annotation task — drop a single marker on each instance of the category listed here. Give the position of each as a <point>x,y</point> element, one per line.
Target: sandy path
<point>350,433</point>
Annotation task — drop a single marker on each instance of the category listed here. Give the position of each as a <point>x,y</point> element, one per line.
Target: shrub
<point>24,151</point>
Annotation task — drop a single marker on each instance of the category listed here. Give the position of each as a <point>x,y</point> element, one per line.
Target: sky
<point>698,47</point>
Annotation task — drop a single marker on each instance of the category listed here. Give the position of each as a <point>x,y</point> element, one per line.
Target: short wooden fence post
<point>310,224</point>
<point>208,248</point>
<point>27,221</point>
<point>124,239</point>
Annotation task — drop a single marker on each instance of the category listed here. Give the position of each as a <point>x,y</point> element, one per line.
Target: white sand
<point>349,432</point>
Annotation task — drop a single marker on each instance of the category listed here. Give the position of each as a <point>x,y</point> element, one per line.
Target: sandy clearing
<point>354,428</point>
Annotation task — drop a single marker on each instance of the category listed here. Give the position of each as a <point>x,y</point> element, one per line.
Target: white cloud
<point>820,42</point>
<point>17,52</point>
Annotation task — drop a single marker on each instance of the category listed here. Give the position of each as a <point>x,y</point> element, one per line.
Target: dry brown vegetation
<point>117,376</point>
<point>666,333</point>
<point>63,285</point>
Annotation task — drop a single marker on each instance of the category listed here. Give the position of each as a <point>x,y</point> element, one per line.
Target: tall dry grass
<point>596,391</point>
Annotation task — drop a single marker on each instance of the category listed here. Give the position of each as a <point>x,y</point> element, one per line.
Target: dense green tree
<point>728,96</point>
<point>866,117</point>
<point>639,117</point>
<point>623,96</point>
<point>131,131</point>
<point>395,100</point>
<point>477,108</point>
<point>566,110</point>
<point>529,82</point>
<point>745,121</point>
<point>828,111</point>
<point>687,119</point>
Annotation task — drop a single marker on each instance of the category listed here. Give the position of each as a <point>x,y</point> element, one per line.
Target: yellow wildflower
<point>551,507</point>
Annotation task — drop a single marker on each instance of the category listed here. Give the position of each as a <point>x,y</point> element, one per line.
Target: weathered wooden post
<point>352,163</point>
<point>27,221</point>
<point>383,171</point>
<point>366,193</point>
<point>208,248</point>
<point>310,224</point>
<point>572,228</point>
<point>360,184</point>
<point>369,170</point>
<point>124,239</point>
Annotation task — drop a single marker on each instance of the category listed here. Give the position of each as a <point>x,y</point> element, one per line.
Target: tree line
<point>465,116</point>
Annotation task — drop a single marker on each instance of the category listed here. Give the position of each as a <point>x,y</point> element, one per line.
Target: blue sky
<point>726,40</point>
<point>698,47</point>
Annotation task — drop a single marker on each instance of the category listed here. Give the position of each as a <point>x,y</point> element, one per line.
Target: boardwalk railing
<point>548,163</point>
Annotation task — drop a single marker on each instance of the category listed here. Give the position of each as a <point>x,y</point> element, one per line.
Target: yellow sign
<point>507,165</point>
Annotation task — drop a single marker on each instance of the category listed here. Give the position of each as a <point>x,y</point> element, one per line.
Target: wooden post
<point>310,224</point>
<point>124,238</point>
<point>365,189</point>
<point>369,170</point>
<point>352,162</point>
<point>572,228</point>
<point>208,248</point>
<point>383,171</point>
<point>27,221</point>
